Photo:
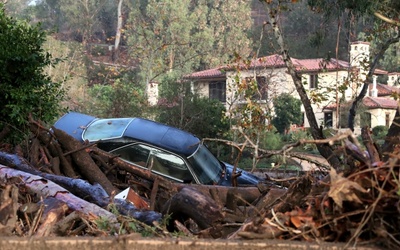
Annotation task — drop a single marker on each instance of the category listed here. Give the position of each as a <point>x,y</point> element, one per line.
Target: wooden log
<point>266,202</point>
<point>66,168</point>
<point>54,211</point>
<point>34,152</point>
<point>190,203</point>
<point>92,193</point>
<point>370,145</point>
<point>244,195</point>
<point>55,165</point>
<point>128,209</point>
<point>8,209</point>
<point>293,197</point>
<point>45,136</point>
<point>85,163</point>
<point>81,188</point>
<point>63,227</point>
<point>46,188</point>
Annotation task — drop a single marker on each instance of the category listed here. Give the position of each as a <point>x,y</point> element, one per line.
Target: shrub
<point>25,88</point>
<point>379,133</point>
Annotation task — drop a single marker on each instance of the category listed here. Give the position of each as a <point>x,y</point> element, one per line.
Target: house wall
<point>202,88</point>
<point>378,117</point>
<point>152,93</point>
<point>278,82</point>
<point>325,94</point>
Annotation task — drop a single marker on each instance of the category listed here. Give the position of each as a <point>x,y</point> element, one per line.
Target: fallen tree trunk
<point>85,163</point>
<point>54,211</point>
<point>92,193</point>
<point>46,188</point>
<point>190,203</point>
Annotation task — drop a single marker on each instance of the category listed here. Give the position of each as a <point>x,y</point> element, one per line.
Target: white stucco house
<point>329,83</point>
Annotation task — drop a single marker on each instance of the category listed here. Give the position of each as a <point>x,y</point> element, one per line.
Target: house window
<point>387,119</point>
<point>328,119</point>
<point>217,90</point>
<point>262,87</point>
<point>313,81</point>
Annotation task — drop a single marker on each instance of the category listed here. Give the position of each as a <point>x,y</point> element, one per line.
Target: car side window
<point>138,154</point>
<point>156,160</point>
<point>170,165</point>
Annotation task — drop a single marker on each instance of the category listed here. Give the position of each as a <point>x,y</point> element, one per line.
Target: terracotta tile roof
<point>371,103</point>
<point>209,73</point>
<point>319,63</point>
<point>384,89</point>
<point>380,102</point>
<point>262,62</point>
<point>380,72</point>
<point>272,61</point>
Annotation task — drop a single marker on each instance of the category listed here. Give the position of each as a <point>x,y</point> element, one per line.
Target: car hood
<point>245,179</point>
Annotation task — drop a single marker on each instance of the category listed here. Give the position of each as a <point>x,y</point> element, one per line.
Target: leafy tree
<point>18,8</point>
<point>287,112</point>
<point>123,98</point>
<point>84,17</point>
<point>26,89</point>
<point>180,107</point>
<point>183,36</point>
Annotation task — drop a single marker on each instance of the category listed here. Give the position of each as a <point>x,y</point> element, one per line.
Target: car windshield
<point>106,128</point>
<point>205,165</point>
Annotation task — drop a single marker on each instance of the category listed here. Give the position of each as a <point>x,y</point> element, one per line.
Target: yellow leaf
<point>342,189</point>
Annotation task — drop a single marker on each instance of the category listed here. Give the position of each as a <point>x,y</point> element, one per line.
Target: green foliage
<point>26,89</point>
<point>183,35</point>
<point>287,112</point>
<point>271,140</point>
<point>19,9</point>
<point>379,134</point>
<point>179,107</point>
<point>380,131</point>
<point>83,17</point>
<point>121,99</point>
<point>298,135</point>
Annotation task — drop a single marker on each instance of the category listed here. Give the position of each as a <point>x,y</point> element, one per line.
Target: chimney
<point>359,54</point>
<point>393,79</point>
<point>374,90</point>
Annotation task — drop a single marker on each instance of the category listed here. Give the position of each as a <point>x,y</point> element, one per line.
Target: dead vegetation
<point>57,186</point>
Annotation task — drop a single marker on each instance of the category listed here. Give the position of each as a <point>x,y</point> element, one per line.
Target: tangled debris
<point>57,186</point>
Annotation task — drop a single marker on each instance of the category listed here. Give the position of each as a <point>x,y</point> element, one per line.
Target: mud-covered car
<point>167,151</point>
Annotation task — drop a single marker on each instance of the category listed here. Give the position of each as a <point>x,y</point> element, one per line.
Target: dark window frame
<point>328,119</point>
<point>387,119</point>
<point>217,90</point>
<point>313,81</point>
<point>262,87</point>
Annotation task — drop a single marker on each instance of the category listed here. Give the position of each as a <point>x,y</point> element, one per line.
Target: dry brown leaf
<point>342,189</point>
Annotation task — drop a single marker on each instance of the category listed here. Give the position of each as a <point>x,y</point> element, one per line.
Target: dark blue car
<point>166,151</point>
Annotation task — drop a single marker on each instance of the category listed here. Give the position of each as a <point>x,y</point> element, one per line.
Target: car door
<point>159,161</point>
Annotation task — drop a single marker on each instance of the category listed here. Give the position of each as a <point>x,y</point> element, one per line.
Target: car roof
<point>162,135</point>
<point>85,127</point>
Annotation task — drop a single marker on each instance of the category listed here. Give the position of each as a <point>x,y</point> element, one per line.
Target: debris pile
<point>57,186</point>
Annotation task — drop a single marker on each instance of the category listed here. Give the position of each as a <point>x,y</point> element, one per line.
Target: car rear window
<point>106,128</point>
